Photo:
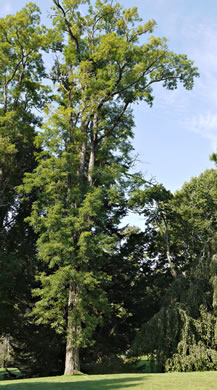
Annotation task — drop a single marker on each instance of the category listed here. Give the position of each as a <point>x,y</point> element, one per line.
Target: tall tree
<point>83,178</point>
<point>22,40</point>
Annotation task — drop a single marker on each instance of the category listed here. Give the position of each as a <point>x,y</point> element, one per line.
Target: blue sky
<point>175,137</point>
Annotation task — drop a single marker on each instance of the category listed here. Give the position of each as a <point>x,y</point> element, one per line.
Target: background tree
<point>22,41</point>
<point>186,322</point>
<point>130,295</point>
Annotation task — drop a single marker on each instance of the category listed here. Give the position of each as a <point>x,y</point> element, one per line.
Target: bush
<point>199,358</point>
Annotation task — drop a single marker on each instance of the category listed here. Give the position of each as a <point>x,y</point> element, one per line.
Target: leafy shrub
<point>200,358</point>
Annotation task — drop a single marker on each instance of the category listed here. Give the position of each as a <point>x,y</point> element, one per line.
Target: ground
<point>173,381</point>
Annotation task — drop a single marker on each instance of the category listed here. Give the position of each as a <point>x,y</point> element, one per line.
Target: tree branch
<point>139,78</point>
<point>117,120</point>
<point>105,99</point>
<point>73,37</point>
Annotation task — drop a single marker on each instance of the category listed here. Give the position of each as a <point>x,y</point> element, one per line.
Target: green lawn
<point>174,381</point>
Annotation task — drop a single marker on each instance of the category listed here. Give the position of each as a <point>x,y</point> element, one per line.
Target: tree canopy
<point>182,333</point>
<point>67,178</point>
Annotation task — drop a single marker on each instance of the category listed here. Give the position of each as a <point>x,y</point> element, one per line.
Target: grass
<point>173,381</point>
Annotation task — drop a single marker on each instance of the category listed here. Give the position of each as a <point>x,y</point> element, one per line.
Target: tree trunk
<point>5,98</point>
<point>6,352</point>
<point>72,361</point>
<point>91,163</point>
<point>82,161</point>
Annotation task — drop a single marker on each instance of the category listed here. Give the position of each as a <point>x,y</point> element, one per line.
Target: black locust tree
<point>83,180</point>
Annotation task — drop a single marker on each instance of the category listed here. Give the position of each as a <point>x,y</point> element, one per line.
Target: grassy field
<point>174,381</point>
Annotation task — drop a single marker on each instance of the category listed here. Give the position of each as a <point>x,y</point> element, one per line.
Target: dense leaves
<point>182,334</point>
<point>81,275</point>
<point>21,89</point>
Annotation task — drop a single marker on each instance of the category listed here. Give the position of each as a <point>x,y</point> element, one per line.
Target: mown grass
<point>173,381</point>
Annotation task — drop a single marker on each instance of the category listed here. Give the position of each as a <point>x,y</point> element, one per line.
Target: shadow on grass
<point>101,384</point>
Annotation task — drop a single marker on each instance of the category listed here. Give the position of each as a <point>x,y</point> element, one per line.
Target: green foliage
<point>213,157</point>
<point>82,178</point>
<point>158,338</point>
<point>22,95</point>
<point>39,351</point>
<point>114,364</point>
<point>78,182</point>
<point>144,364</point>
<point>197,349</point>
<point>182,334</point>
<point>131,296</point>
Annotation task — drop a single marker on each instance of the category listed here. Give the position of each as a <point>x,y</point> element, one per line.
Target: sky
<point>175,137</point>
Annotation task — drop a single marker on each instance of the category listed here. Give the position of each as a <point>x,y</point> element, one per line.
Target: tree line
<point>75,287</point>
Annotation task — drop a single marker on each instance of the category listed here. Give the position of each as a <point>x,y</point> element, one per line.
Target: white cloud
<point>201,110</point>
<point>205,125</point>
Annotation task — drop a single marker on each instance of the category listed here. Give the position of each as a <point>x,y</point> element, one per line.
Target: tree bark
<point>91,163</point>
<point>5,98</point>
<point>6,352</point>
<point>72,360</point>
<point>82,161</point>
